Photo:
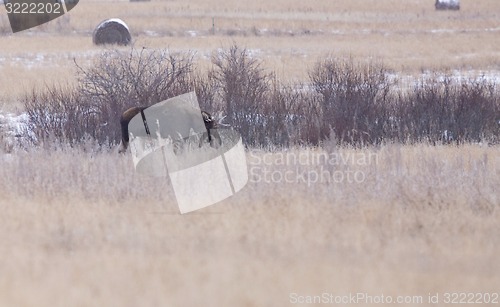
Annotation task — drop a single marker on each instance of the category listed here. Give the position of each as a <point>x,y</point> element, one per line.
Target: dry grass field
<point>86,230</point>
<point>78,227</point>
<point>408,36</point>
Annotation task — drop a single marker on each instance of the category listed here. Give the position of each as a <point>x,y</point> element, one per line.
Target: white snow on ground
<point>43,59</point>
<point>12,127</point>
<point>453,2</point>
<point>409,81</point>
<point>13,124</point>
<point>151,33</point>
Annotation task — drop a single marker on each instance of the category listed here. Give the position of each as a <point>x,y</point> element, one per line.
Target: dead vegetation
<point>79,225</point>
<point>289,35</point>
<point>86,223</point>
<point>349,102</point>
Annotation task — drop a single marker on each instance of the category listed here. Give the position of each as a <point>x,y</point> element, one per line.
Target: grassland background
<point>87,230</point>
<point>408,36</point>
<point>79,227</point>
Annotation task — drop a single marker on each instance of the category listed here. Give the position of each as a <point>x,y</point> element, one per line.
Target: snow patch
<point>13,125</point>
<point>12,128</point>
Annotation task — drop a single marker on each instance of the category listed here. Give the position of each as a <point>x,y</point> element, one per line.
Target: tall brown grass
<point>80,227</point>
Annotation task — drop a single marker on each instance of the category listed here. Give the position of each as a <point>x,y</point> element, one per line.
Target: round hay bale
<point>111,31</point>
<point>447,5</point>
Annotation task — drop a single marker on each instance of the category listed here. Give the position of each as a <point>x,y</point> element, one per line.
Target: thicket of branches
<point>345,101</point>
<point>116,82</point>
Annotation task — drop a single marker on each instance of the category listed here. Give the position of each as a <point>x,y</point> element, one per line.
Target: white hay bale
<point>447,5</point>
<point>112,31</point>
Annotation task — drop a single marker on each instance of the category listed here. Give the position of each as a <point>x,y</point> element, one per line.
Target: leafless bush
<point>444,110</point>
<point>477,111</point>
<point>207,87</point>
<point>119,80</point>
<point>242,87</point>
<point>359,105</point>
<point>344,101</point>
<point>282,116</point>
<point>114,83</point>
<point>353,97</point>
<point>58,113</point>
<point>265,111</point>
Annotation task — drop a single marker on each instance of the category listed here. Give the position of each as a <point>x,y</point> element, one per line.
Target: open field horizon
<point>422,219</point>
<point>409,37</point>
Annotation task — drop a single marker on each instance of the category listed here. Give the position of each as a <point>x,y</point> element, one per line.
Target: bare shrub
<point>115,82</point>
<point>265,111</point>
<point>353,96</point>
<point>206,88</point>
<point>118,81</point>
<point>344,101</point>
<point>242,87</point>
<point>444,110</point>
<point>58,113</point>
<point>359,105</point>
<point>290,114</point>
<point>477,111</point>
<point>309,128</point>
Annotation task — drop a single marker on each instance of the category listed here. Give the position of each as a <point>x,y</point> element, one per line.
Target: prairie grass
<point>79,225</point>
<point>408,36</point>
